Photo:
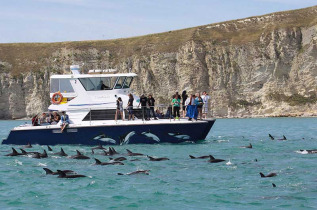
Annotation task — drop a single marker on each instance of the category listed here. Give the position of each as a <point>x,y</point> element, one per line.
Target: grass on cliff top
<point>33,56</point>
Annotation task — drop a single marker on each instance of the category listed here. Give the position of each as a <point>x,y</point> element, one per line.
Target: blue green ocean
<point>178,183</point>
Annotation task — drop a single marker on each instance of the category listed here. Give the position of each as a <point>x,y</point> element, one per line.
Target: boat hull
<point>114,134</point>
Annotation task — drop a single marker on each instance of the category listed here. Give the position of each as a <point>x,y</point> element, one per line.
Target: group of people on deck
<point>51,119</point>
<point>193,107</point>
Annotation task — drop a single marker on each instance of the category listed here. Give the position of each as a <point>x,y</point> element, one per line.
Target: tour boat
<point>91,110</point>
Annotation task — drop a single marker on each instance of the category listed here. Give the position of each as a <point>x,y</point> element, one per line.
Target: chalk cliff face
<point>253,67</point>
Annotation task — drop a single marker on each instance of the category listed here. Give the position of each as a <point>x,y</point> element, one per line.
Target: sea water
<point>181,182</point>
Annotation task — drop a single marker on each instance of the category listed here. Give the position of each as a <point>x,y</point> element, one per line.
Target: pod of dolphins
<point>118,160</point>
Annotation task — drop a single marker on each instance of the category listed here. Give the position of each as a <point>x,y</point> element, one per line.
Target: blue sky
<point>78,20</point>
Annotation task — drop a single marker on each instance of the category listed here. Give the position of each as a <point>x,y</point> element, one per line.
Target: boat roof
<point>66,76</point>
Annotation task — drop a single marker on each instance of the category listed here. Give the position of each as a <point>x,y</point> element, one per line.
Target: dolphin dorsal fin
<point>48,171</point>
<point>110,158</point>
<point>151,158</point>
<point>61,173</point>
<point>44,153</point>
<point>23,151</point>
<point>211,157</point>
<point>129,151</point>
<point>192,157</point>
<point>261,174</point>
<point>78,153</point>
<point>49,148</point>
<point>14,151</point>
<point>97,161</point>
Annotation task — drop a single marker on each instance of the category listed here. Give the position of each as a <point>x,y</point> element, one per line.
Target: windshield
<point>61,85</point>
<point>98,83</point>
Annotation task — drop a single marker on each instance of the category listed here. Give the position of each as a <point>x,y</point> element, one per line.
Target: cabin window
<point>62,85</point>
<point>119,84</point>
<point>127,82</point>
<point>98,83</point>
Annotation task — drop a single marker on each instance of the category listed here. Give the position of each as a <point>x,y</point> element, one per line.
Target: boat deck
<point>112,123</point>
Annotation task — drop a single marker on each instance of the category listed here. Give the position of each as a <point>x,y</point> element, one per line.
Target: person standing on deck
<point>151,103</point>
<point>119,108</point>
<point>184,98</point>
<point>176,106</point>
<point>130,106</point>
<point>206,99</point>
<point>191,108</point>
<point>143,102</point>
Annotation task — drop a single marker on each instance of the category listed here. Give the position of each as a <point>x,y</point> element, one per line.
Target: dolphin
<point>49,172</point>
<point>98,162</point>
<point>127,138</point>
<point>309,151</point>
<point>61,174</point>
<point>179,136</point>
<point>27,146</point>
<point>213,160</point>
<point>201,157</point>
<point>272,138</point>
<point>135,160</point>
<point>249,146</point>
<point>137,172</point>
<point>44,154</point>
<point>157,159</point>
<point>25,152</point>
<point>61,153</point>
<point>118,159</point>
<point>151,136</point>
<point>133,154</point>
<point>283,139</point>
<point>79,156</point>
<point>36,155</point>
<point>114,151</point>
<point>98,147</point>
<point>49,148</point>
<point>14,153</point>
<point>269,175</point>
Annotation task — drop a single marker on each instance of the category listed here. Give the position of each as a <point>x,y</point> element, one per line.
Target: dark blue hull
<point>114,135</point>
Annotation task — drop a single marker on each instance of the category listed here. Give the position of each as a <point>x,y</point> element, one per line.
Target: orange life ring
<point>57,98</point>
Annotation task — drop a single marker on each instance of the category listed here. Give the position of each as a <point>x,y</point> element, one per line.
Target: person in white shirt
<point>206,99</point>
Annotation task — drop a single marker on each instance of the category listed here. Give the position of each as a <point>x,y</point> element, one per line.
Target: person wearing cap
<point>64,121</point>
